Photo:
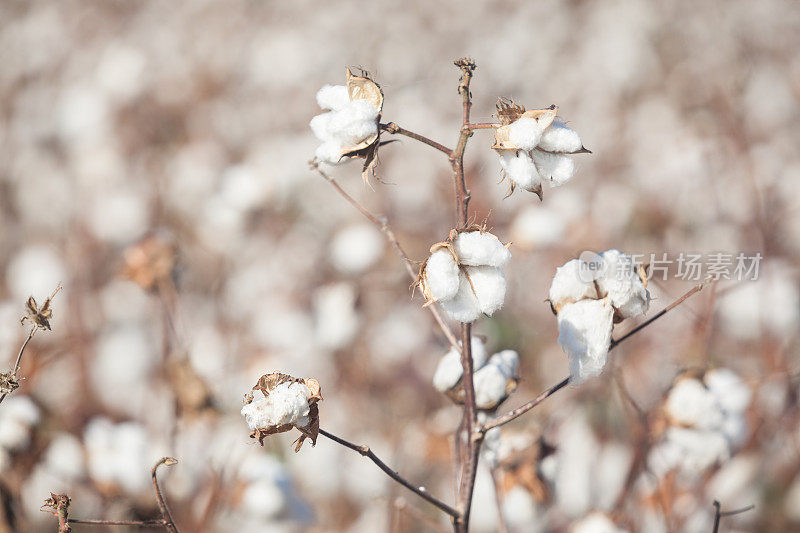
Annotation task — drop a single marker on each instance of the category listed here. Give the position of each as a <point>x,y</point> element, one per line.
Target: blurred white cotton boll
<point>519,167</point>
<point>121,72</point>
<point>490,386</point>
<point>691,403</point>
<point>584,333</point>
<point>335,316</point>
<point>571,283</point>
<point>525,133</point>
<point>559,138</point>
<point>556,169</point>
<point>729,390</point>
<point>520,511</point>
<point>118,454</point>
<point>18,417</point>
<point>489,285</point>
<point>576,455</point>
<point>449,370</point>
<point>35,270</point>
<point>595,522</point>
<point>333,97</point>
<point>243,188</point>
<point>477,248</point>
<point>464,306</point>
<point>64,457</point>
<point>356,248</point>
<point>537,226</point>
<point>440,278</point>
<point>120,216</point>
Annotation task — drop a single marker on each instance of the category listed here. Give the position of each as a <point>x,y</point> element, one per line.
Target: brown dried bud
<point>150,262</point>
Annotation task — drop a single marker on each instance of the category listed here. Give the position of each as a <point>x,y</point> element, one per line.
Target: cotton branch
<point>381,224</point>
<point>169,525</point>
<point>365,451</point>
<point>718,514</point>
<point>393,128</point>
<point>511,415</point>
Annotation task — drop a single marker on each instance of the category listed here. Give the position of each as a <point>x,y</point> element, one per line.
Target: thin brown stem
<point>133,523</point>
<point>169,525</point>
<point>390,236</point>
<point>365,451</point>
<point>393,128</point>
<point>511,415</point>
<point>14,373</point>
<point>483,125</point>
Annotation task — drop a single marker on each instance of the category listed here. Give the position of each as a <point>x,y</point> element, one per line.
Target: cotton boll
<point>353,123</point>
<point>519,510</point>
<point>620,283</point>
<point>520,169</point>
<point>320,125</point>
<point>572,282</point>
<point>699,449</point>
<point>263,498</point>
<point>333,97</point>
<point>525,133</point>
<point>335,315</point>
<point>489,284</point>
<point>17,418</point>
<point>556,169</point>
<point>64,457</point>
<point>440,278</point>
<point>117,454</point>
<point>35,270</point>
<point>490,386</point>
<point>584,333</point>
<point>449,370</point>
<point>355,249</point>
<point>559,138</point>
<point>476,248</point>
<point>286,404</point>
<point>463,307</point>
<point>728,389</point>
<point>691,404</point>
<point>507,361</point>
<point>596,522</point>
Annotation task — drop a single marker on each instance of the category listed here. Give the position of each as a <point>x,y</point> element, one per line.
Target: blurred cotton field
<point>140,139</point>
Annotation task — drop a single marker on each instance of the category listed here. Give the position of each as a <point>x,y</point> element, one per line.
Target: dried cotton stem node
<point>280,402</point>
<point>589,295</point>
<point>464,274</point>
<point>350,127</point>
<point>535,147</point>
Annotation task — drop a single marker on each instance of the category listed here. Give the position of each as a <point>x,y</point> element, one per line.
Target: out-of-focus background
<point>132,130</point>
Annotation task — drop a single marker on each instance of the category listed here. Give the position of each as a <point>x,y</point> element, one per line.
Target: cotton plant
<point>464,274</point>
<point>535,147</point>
<point>350,127</point>
<point>589,297</point>
<point>705,422</point>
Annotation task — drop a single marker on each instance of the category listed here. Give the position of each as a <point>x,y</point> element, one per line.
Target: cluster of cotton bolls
<point>494,378</point>
<point>465,274</point>
<point>534,147</point>
<point>18,418</point>
<point>589,297</point>
<point>351,124</point>
<point>706,423</point>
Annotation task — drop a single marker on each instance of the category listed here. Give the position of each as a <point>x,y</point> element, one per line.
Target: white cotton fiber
<point>595,522</point>
<point>571,283</point>
<point>584,333</point>
<point>286,404</point>
<point>556,169</point>
<point>333,97</point>
<point>691,404</point>
<point>525,133</point>
<point>490,386</point>
<point>730,391</point>
<point>520,169</point>
<point>559,138</point>
<point>507,361</point>
<point>440,279</point>
<point>463,307</point>
<point>449,370</point>
<point>489,284</point>
<point>353,123</point>
<point>330,152</point>
<point>477,248</point>
<point>622,286</point>
<point>320,125</point>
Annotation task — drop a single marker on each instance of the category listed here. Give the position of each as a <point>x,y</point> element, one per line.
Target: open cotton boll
<point>507,361</point>
<point>489,284</point>
<point>520,169</point>
<point>353,123</point>
<point>584,333</point>
<point>476,248</point>
<point>449,370</point>
<point>525,133</point>
<point>699,449</point>
<point>571,283</point>
<point>622,285</point>
<point>463,307</point>
<point>559,138</point>
<point>490,386</point>
<point>729,390</point>
<point>440,279</point>
<point>286,404</point>
<point>691,404</point>
<point>556,169</point>
<point>333,97</point>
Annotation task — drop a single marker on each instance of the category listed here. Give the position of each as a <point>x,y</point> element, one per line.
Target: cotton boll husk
<point>333,97</point>
<point>729,389</point>
<point>520,169</point>
<point>476,248</point>
<point>353,123</point>
<point>490,386</point>
<point>622,285</point>
<point>440,278</point>
<point>584,333</point>
<point>556,169</point>
<point>571,283</point>
<point>691,404</point>
<point>525,133</point>
<point>357,248</point>
<point>449,369</point>
<point>463,307</point>
<point>489,284</point>
<point>559,138</point>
